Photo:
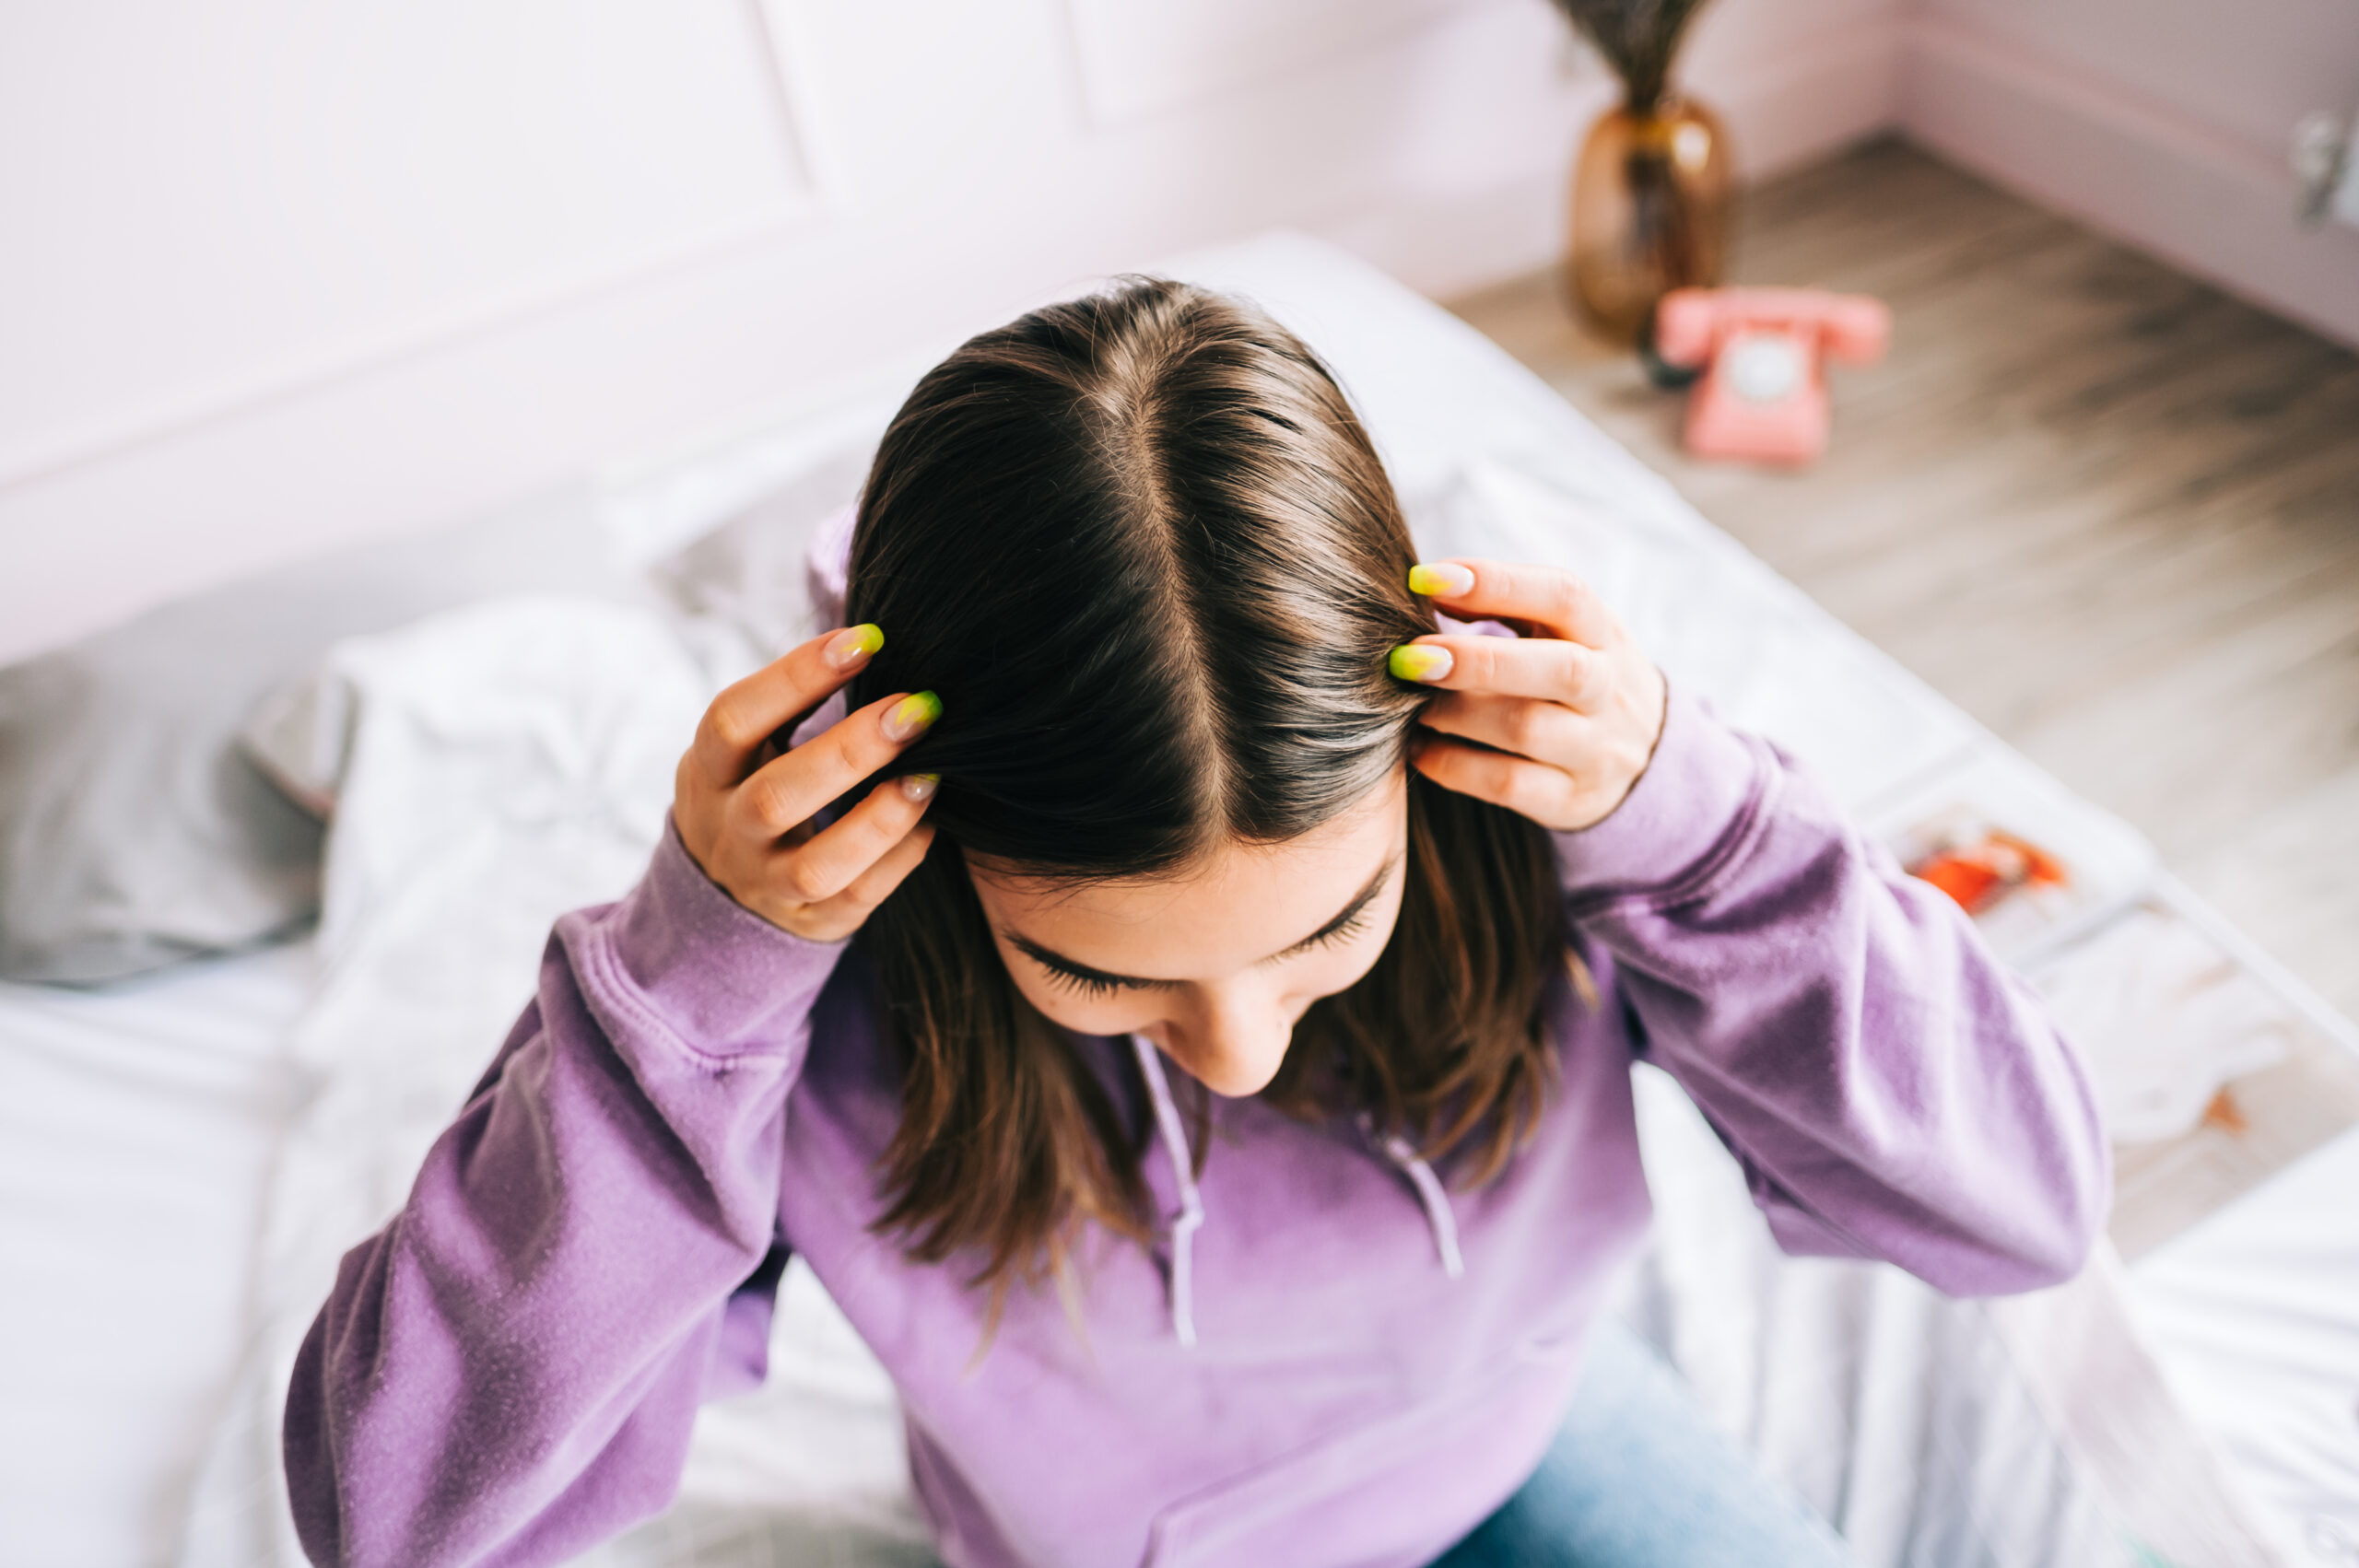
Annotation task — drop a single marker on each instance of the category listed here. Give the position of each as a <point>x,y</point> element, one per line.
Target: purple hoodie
<point>1325,1359</point>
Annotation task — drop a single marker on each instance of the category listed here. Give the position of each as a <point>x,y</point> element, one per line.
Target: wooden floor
<point>2109,510</point>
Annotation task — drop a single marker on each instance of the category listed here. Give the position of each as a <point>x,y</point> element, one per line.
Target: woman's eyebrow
<point>1050,958</point>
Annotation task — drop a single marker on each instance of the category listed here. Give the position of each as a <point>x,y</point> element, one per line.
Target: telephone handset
<point>1762,396</point>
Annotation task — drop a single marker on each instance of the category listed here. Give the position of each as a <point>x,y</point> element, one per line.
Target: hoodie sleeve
<point>508,1372</point>
<point>1892,1092</point>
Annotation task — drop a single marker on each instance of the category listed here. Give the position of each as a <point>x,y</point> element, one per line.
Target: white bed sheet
<point>137,1132</point>
<point>2253,1311</point>
<point>141,1128</point>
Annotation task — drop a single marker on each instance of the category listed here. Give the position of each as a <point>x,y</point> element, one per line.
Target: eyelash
<point>1097,986</point>
<point>1351,928</point>
<point>1085,985</point>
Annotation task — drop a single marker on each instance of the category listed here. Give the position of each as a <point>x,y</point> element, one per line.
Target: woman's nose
<point>1232,1038</point>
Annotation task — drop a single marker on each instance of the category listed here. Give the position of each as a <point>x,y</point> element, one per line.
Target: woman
<point>1198,1066</point>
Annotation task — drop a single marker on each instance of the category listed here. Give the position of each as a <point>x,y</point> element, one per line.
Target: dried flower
<point>1638,38</point>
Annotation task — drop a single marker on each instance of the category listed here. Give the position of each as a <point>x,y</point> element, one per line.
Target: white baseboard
<point>1827,91</point>
<point>2140,170</point>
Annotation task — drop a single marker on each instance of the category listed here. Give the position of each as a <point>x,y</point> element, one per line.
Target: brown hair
<point>1145,550</point>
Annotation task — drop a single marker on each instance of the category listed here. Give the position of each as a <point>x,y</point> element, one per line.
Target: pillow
<point>746,588</point>
<point>772,571</point>
<point>133,833</point>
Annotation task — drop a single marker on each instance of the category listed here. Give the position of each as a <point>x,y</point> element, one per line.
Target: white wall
<point>275,275</point>
<point>2166,122</point>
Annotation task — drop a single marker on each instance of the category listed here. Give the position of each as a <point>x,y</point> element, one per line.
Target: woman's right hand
<point>743,811</point>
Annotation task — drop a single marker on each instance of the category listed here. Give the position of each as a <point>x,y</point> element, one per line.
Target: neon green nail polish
<point>1446,580</point>
<point>852,644</point>
<point>912,715</point>
<point>1419,661</point>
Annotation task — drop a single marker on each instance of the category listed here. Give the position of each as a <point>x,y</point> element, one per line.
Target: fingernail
<point>853,645</point>
<point>1446,580</point>
<point>919,786</point>
<point>1419,661</point>
<point>912,715</point>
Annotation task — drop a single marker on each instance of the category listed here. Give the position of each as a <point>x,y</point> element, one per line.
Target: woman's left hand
<point>1567,714</point>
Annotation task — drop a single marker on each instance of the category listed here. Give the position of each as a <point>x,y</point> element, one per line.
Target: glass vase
<point>1649,213</point>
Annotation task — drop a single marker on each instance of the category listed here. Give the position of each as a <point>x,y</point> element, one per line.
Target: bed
<point>184,1156</point>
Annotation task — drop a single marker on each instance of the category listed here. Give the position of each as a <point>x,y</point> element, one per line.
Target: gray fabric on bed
<point>751,569</point>
<point>134,832</point>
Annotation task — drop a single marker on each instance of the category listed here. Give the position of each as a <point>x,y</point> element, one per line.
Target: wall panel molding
<point>791,58</point>
<point>1139,58</point>
<point>358,355</point>
<point>211,225</point>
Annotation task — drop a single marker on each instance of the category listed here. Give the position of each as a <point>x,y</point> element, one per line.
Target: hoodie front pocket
<point>1394,1492</point>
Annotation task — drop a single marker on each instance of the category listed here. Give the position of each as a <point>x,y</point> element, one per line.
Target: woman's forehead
<point>1239,902</point>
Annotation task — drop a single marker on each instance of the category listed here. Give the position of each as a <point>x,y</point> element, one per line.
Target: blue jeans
<point>1638,1478</point>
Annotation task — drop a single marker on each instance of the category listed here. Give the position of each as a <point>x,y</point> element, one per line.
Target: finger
<point>871,887</point>
<point>1546,596</point>
<point>744,716</point>
<point>824,865</point>
<point>1540,730</point>
<point>1549,668</point>
<point>1545,794</point>
<point>842,914</point>
<point>788,793</point>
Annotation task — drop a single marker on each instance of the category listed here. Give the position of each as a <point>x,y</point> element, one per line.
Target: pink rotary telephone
<point>1763,397</point>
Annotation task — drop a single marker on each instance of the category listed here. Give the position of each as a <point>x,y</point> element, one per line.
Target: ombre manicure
<point>1445,580</point>
<point>854,646</point>
<point>1420,661</point>
<point>918,787</point>
<point>911,715</point>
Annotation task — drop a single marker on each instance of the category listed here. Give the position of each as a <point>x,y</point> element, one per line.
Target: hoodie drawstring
<point>1184,1225</point>
<point>1429,1193</point>
<point>1183,1179</point>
